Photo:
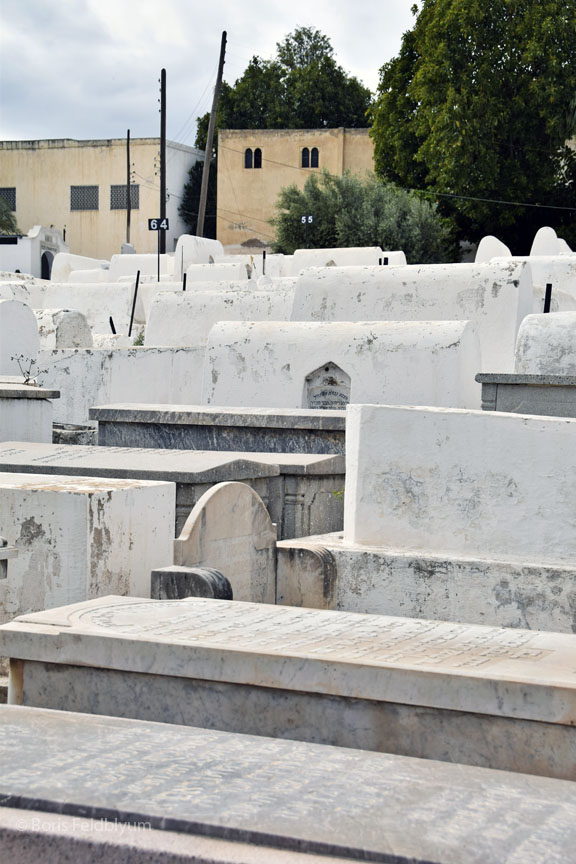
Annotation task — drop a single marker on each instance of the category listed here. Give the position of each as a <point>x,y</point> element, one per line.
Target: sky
<point>90,68</point>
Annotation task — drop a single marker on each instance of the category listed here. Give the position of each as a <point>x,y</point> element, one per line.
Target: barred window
<point>118,197</point>
<point>9,195</point>
<point>83,197</point>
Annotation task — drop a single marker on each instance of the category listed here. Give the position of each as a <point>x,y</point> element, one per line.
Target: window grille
<point>83,197</point>
<point>118,197</point>
<point>9,195</point>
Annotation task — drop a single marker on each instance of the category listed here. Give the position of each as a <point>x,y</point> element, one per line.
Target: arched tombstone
<point>230,530</point>
<point>327,387</point>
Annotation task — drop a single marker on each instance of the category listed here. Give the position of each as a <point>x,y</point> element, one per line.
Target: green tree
<point>479,103</point>
<point>302,88</point>
<point>188,209</point>
<point>349,211</point>
<point>7,219</point>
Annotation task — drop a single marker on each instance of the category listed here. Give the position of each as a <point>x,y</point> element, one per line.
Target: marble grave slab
<point>487,696</point>
<point>273,795</point>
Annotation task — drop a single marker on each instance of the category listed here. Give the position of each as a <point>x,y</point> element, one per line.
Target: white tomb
<point>19,340</point>
<point>495,296</point>
<point>185,318</point>
<point>82,537</point>
<point>546,345</point>
<point>328,365</point>
<point>63,328</point>
<point>490,247</point>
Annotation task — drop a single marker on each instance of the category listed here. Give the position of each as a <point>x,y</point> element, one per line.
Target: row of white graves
<point>457,551</point>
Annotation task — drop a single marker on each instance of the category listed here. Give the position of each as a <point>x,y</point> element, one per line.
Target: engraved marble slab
<point>282,794</point>
<point>511,673</point>
<point>184,466</point>
<point>282,418</point>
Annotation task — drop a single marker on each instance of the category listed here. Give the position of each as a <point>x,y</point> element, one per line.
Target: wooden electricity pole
<point>162,237</point>
<point>128,197</point>
<point>208,151</point>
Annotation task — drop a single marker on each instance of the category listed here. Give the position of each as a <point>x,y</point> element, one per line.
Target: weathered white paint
<point>490,247</point>
<point>218,272</point>
<point>64,264</point>
<point>558,270</point>
<point>18,337</point>
<point>63,328</point>
<point>195,250</point>
<point>461,483</point>
<point>81,537</point>
<point>186,317</point>
<point>128,265</point>
<point>88,377</point>
<point>546,345</point>
<point>560,301</point>
<point>352,256</point>
<point>265,364</point>
<point>96,301</point>
<point>496,296</point>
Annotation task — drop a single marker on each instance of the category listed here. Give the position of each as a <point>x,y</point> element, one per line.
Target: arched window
<point>257,157</point>
<point>305,157</point>
<point>314,157</point>
<point>248,158</point>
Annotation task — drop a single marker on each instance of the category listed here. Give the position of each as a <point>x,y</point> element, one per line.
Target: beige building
<point>79,187</point>
<point>254,164</point>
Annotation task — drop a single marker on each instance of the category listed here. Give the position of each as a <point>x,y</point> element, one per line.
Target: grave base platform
<point>326,572</point>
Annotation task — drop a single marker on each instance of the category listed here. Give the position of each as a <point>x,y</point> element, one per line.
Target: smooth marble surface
<point>281,794</point>
<point>284,418</point>
<point>521,674</point>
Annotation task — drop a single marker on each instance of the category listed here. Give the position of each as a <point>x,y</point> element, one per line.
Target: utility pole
<point>128,196</point>
<point>162,236</point>
<point>208,151</point>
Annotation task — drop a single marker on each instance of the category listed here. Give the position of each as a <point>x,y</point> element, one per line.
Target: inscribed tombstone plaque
<point>230,530</point>
<point>327,387</point>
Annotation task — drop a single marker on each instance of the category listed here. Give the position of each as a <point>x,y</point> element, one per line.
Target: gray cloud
<point>90,68</point>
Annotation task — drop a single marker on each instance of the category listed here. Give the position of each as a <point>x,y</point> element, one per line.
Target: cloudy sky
<point>90,68</point>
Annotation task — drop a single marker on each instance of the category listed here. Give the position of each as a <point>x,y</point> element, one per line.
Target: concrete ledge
<point>544,395</point>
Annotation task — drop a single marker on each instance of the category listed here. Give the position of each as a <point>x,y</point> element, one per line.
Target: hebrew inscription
<point>327,387</point>
<point>344,637</point>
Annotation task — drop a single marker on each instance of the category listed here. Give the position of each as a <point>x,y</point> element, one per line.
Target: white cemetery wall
<point>195,250</point>
<point>186,317</point>
<point>97,301</point>
<point>63,328</point>
<point>87,377</point>
<point>18,337</point>
<point>326,365</point>
<point>65,263</point>
<point>546,345</point>
<point>461,483</point>
<point>100,275</point>
<point>495,296</point>
<point>82,537</point>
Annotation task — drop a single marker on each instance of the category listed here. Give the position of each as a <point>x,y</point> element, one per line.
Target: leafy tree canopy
<point>188,209</point>
<point>349,211</point>
<point>480,102</point>
<point>302,88</point>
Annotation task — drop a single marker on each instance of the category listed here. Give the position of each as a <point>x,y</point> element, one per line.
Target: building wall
<point>43,172</point>
<point>247,196</point>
